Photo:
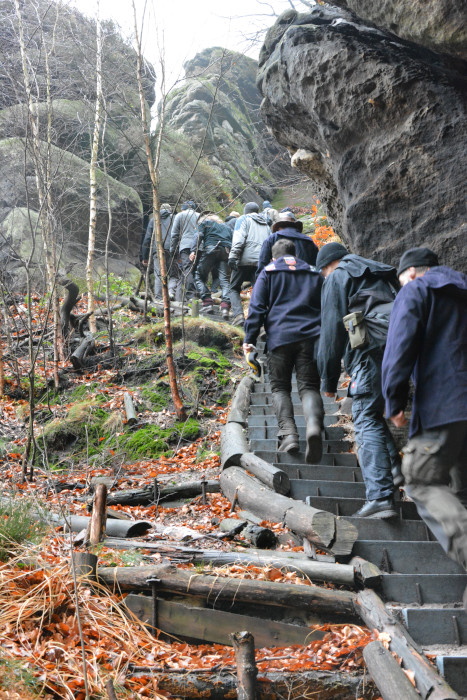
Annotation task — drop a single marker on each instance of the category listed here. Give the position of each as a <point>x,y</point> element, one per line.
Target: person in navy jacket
<point>427,340</point>
<point>286,299</point>
<point>287,226</point>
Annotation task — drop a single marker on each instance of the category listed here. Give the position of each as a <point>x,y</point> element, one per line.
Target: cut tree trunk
<point>114,527</point>
<point>270,476</point>
<point>130,412</point>
<point>83,349</point>
<point>244,646</point>
<point>240,406</point>
<point>390,679</point>
<point>145,496</point>
<point>99,515</point>
<point>233,444</point>
<point>261,537</point>
<point>173,580</point>
<point>429,683</point>
<point>317,526</point>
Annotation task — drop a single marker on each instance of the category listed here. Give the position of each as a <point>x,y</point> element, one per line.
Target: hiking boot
<point>289,443</point>
<point>397,476</point>
<point>225,313</point>
<point>208,306</point>
<point>380,508</point>
<point>239,320</point>
<point>313,411</point>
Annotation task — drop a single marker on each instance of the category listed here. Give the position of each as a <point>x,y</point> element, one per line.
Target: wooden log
<point>85,565</point>
<point>220,685</point>
<point>318,526</point>
<point>84,348</point>
<point>244,646</point>
<point>233,444</point>
<point>290,561</point>
<point>130,412</point>
<point>145,495</point>
<point>429,683</point>
<point>240,405</point>
<point>216,626</point>
<point>390,679</point>
<point>180,581</point>
<point>261,537</point>
<point>366,572</point>
<point>109,687</point>
<point>114,527</point>
<point>99,515</point>
<point>268,474</point>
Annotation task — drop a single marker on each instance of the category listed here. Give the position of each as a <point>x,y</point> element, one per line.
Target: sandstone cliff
<point>377,121</point>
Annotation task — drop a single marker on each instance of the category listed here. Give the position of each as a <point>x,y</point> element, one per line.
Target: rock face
<point>68,40</point>
<point>238,151</point>
<point>377,122</point>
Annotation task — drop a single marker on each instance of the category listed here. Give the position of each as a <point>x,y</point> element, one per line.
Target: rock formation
<point>239,153</point>
<point>68,40</point>
<point>377,121</point>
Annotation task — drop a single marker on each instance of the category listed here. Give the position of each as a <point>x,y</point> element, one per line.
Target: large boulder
<point>378,123</point>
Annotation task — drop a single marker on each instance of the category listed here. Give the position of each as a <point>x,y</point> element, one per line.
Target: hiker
<point>183,234</point>
<point>287,226</point>
<point>269,213</point>
<point>171,267</point>
<point>286,299</point>
<point>214,241</point>
<point>427,340</point>
<point>231,220</point>
<point>354,290</point>
<point>243,259</point>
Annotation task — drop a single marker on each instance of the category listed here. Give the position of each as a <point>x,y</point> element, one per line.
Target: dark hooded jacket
<point>210,235</point>
<point>427,339</point>
<point>166,225</point>
<point>305,249</point>
<point>354,279</point>
<point>230,222</point>
<point>286,299</point>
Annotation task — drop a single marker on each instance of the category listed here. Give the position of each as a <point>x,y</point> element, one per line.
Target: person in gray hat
<point>354,289</point>
<point>166,219</point>
<point>427,340</point>
<point>287,226</point>
<point>243,258</point>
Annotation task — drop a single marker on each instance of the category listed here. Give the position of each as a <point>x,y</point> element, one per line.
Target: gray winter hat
<point>330,252</point>
<point>251,208</point>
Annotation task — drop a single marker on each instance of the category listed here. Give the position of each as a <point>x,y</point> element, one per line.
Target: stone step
<point>423,588</point>
<point>392,529</point>
<point>267,411</point>
<point>270,445</point>
<point>265,388</point>
<point>436,625</point>
<point>323,472</point>
<point>407,557</point>
<point>349,506</point>
<point>268,433</point>
<point>454,669</point>
<point>339,459</point>
<point>265,398</point>
<point>301,488</point>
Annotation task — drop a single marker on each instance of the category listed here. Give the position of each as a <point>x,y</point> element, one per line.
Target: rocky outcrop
<point>66,119</point>
<point>377,122</point>
<point>217,110</point>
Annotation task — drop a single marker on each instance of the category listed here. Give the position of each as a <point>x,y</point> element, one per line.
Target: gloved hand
<point>233,264</point>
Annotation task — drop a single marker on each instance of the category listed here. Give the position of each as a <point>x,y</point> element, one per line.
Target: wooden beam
<point>240,406</point>
<point>271,476</point>
<point>244,646</point>
<point>390,679</point>
<point>233,444</point>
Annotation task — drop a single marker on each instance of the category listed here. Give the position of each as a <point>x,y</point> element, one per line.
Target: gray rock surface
<point>378,123</point>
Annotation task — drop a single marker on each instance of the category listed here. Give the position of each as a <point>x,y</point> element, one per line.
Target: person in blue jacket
<point>286,299</point>
<point>287,226</point>
<point>427,340</point>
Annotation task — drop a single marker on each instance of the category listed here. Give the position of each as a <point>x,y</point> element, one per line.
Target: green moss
<point>151,441</point>
<point>156,394</point>
<point>82,426</point>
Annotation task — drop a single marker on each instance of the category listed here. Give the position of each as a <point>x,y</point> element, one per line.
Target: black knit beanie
<point>417,257</point>
<point>330,252</point>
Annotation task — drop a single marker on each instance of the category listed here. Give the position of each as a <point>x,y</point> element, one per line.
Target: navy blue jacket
<point>305,249</point>
<point>286,299</point>
<point>353,277</point>
<point>428,339</point>
<point>210,233</point>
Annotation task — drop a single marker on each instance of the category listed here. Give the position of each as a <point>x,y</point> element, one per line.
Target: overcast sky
<point>188,26</point>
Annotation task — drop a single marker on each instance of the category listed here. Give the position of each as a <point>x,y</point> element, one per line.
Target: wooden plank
<point>454,670</point>
<point>407,557</point>
<point>424,588</point>
<point>436,625</point>
<point>216,626</point>
<point>301,488</point>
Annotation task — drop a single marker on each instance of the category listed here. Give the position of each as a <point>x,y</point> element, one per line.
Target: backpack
<point>370,312</point>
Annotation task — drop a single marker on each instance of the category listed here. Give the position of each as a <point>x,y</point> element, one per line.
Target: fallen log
<point>113,527</point>
<point>390,679</point>
<point>84,348</point>
<point>222,685</point>
<point>216,626</point>
<point>317,526</point>
<point>233,444</point>
<point>130,412</point>
<point>314,570</point>
<point>429,683</point>
<point>240,405</point>
<point>261,537</point>
<point>244,646</point>
<point>212,588</point>
<point>145,496</point>
<point>270,476</point>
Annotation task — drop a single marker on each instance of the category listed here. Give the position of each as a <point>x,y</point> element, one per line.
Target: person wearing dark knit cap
<point>427,340</point>
<point>353,287</point>
<point>287,226</point>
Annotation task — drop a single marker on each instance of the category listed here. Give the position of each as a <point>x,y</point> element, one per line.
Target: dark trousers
<point>435,471</point>
<point>188,290</point>
<point>213,262</point>
<point>173,274</point>
<point>282,362</point>
<point>377,451</point>
<point>245,273</point>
